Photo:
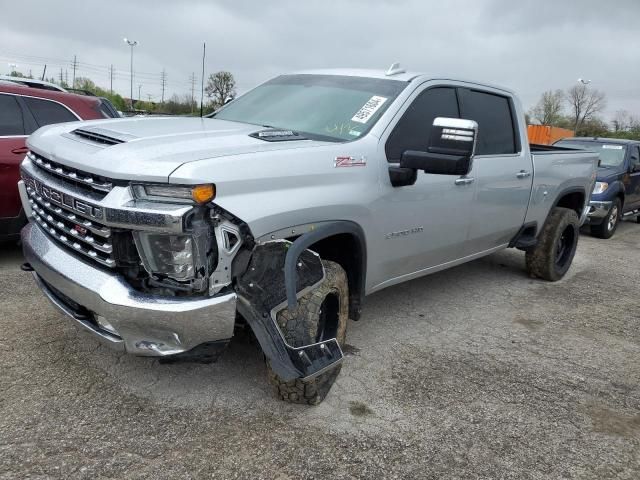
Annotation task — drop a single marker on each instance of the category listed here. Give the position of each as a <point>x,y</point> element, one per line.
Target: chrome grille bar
<point>74,232</point>
<point>71,174</point>
<point>68,215</point>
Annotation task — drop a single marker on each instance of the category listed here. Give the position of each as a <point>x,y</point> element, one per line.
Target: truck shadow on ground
<point>239,377</point>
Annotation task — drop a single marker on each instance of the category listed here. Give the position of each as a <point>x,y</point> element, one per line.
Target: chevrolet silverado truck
<point>282,210</point>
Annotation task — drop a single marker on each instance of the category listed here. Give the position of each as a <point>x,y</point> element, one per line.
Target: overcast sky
<point>528,46</point>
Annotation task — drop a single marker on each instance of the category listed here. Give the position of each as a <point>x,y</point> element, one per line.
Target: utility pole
<point>66,76</point>
<point>204,55</point>
<point>61,77</point>
<point>44,71</point>
<point>139,88</point>
<point>75,65</point>
<point>192,79</point>
<point>163,78</point>
<point>111,79</point>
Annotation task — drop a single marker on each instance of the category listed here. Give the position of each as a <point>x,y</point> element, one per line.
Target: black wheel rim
<point>329,318</point>
<point>565,246</point>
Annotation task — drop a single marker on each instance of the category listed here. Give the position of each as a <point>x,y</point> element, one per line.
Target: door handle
<point>20,150</point>
<point>523,174</point>
<point>464,181</point>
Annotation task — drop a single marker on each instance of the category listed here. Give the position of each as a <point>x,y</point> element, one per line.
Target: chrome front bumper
<point>599,209</point>
<point>141,324</point>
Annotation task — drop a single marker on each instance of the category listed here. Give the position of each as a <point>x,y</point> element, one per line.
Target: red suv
<point>23,110</point>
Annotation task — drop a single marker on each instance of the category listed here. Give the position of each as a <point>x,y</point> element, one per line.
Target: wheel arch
<point>573,198</point>
<point>342,242</point>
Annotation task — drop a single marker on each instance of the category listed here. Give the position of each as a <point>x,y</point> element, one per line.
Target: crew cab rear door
<point>502,168</point>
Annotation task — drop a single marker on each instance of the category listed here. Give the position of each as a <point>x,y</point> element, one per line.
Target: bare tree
<point>549,109</point>
<point>220,86</point>
<point>584,103</point>
<point>623,121</point>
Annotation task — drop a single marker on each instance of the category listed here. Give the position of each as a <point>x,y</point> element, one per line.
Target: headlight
<point>600,187</point>
<point>182,194</point>
<point>170,255</point>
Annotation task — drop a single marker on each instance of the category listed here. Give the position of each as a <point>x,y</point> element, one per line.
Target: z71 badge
<point>349,162</point>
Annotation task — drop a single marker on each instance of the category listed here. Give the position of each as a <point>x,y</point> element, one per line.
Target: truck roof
<point>406,76</point>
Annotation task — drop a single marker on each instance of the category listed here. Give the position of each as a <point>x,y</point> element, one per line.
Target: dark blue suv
<point>617,189</point>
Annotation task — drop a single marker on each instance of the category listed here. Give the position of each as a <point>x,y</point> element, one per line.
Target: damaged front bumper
<point>104,304</point>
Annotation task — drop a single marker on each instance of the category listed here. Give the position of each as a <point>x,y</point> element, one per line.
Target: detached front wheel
<point>321,314</point>
<point>551,258</point>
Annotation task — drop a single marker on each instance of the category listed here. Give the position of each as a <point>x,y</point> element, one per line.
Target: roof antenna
<point>395,69</point>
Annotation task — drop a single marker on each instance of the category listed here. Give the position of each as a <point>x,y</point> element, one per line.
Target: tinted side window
<point>46,112</point>
<point>635,158</point>
<point>496,133</point>
<point>11,120</point>
<point>413,130</point>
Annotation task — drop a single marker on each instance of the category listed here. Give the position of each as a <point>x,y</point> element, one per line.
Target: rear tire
<point>610,223</point>
<point>551,258</point>
<point>321,314</point>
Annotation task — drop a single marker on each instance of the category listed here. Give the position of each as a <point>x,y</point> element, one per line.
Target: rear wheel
<point>610,223</point>
<point>321,314</point>
<point>551,258</point>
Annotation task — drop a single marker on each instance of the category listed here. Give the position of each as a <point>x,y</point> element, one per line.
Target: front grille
<point>71,175</point>
<point>65,226</point>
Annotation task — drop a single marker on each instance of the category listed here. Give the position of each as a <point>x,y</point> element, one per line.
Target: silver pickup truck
<point>285,208</point>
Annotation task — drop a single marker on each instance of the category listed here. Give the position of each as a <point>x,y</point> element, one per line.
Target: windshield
<point>611,155</point>
<point>330,107</point>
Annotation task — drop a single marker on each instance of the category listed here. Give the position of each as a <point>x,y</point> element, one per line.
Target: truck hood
<point>608,175</point>
<point>149,149</point>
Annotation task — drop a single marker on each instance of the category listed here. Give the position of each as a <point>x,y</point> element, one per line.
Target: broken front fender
<point>262,294</point>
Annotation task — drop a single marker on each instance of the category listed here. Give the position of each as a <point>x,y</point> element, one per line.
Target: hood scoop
<point>277,135</point>
<point>102,136</point>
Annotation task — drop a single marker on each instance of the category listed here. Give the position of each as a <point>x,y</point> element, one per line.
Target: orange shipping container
<point>546,135</point>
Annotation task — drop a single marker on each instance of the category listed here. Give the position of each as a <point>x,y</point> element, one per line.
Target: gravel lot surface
<point>475,372</point>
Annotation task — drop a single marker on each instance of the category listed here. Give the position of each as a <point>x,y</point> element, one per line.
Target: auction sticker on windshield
<point>369,109</point>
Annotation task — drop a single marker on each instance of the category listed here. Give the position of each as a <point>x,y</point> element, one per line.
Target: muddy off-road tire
<point>551,258</point>
<point>321,314</point>
<point>610,223</point>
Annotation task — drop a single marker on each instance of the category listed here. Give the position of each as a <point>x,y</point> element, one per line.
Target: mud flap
<point>261,294</point>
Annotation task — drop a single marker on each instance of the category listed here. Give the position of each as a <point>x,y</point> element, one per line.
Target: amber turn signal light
<point>203,193</point>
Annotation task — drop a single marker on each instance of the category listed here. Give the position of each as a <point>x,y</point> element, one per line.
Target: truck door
<point>422,225</point>
<point>503,170</point>
<point>632,186</point>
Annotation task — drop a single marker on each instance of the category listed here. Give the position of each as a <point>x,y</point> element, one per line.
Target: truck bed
<point>557,171</point>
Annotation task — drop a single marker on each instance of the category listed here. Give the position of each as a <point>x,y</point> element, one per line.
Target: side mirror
<point>450,150</point>
<point>228,100</point>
